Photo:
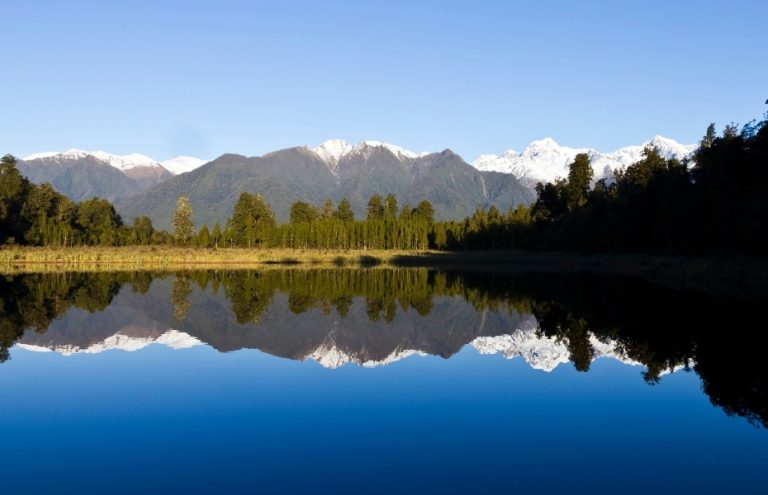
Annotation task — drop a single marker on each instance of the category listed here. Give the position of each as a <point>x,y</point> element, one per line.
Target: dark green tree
<point>579,179</point>
<point>98,222</point>
<point>251,220</point>
<point>375,208</point>
<point>302,212</point>
<point>13,190</point>
<point>143,231</point>
<point>424,212</point>
<point>344,211</point>
<point>203,237</point>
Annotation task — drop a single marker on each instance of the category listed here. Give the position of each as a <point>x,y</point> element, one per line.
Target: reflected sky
<point>249,420</point>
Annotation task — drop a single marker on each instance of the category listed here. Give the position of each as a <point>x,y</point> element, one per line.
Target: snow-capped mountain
<point>176,166</point>
<point>538,351</point>
<point>544,353</point>
<point>120,162</point>
<point>81,174</point>
<point>545,160</point>
<point>173,339</point>
<point>333,150</point>
<point>182,164</point>
<point>330,356</point>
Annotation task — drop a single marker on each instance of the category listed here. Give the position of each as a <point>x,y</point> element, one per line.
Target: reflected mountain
<point>379,316</point>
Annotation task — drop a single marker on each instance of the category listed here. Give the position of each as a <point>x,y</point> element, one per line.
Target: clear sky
<point>204,78</point>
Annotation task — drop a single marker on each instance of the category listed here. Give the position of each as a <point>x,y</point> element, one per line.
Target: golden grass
<point>33,259</point>
<point>740,276</point>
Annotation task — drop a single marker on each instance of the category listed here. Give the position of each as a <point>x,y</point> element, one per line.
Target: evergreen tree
<point>579,179</point>
<point>47,216</point>
<point>302,212</point>
<point>390,207</point>
<point>13,190</point>
<point>203,237</point>
<point>424,212</point>
<point>551,203</point>
<point>375,208</point>
<point>98,222</point>
<point>344,211</point>
<point>142,230</point>
<point>251,220</point>
<point>709,138</point>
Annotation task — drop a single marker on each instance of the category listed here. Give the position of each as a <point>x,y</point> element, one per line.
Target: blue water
<point>200,421</point>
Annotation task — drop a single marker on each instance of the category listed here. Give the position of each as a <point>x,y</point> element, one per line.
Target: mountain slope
<point>182,164</point>
<point>80,179</point>
<point>82,174</point>
<point>355,172</point>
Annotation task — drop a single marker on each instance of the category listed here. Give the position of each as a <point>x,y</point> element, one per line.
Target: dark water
<point>377,381</point>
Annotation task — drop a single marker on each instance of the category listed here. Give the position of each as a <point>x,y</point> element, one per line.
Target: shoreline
<point>737,276</point>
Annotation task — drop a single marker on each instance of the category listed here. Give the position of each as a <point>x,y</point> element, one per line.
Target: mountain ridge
<point>545,160</point>
<point>333,150</point>
<point>358,172</point>
<point>336,169</point>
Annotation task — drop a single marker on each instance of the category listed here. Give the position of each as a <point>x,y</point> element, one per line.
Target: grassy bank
<point>152,257</point>
<point>742,277</point>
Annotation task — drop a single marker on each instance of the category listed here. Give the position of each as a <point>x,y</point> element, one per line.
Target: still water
<point>377,381</point>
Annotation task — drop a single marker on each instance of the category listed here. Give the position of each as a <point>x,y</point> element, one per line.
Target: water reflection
<point>378,316</point>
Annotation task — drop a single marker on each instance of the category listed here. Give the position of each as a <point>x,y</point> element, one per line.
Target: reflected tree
<point>180,292</point>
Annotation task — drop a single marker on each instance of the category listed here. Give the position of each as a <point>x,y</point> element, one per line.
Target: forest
<point>711,203</point>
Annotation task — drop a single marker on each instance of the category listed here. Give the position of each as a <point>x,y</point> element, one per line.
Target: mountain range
<point>134,321</point>
<point>546,161</point>
<point>539,352</point>
<point>82,174</point>
<point>140,185</point>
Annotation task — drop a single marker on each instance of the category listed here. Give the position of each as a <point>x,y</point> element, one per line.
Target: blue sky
<point>204,78</point>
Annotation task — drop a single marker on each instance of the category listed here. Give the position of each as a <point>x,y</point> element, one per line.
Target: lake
<point>377,381</point>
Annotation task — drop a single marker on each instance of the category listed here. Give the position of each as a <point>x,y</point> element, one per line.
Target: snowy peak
<point>549,147</point>
<point>545,160</point>
<point>545,353</point>
<point>333,150</point>
<point>176,166</point>
<point>72,154</point>
<point>670,147</point>
<point>331,356</point>
<point>182,164</point>
<point>395,150</point>
<point>120,162</point>
<point>126,162</point>
<point>173,339</point>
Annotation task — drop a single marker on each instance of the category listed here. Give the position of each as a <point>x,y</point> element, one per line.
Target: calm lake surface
<point>377,381</point>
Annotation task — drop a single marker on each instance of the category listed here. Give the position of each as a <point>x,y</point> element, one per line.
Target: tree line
<point>684,328</point>
<point>712,202</point>
<point>37,215</point>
